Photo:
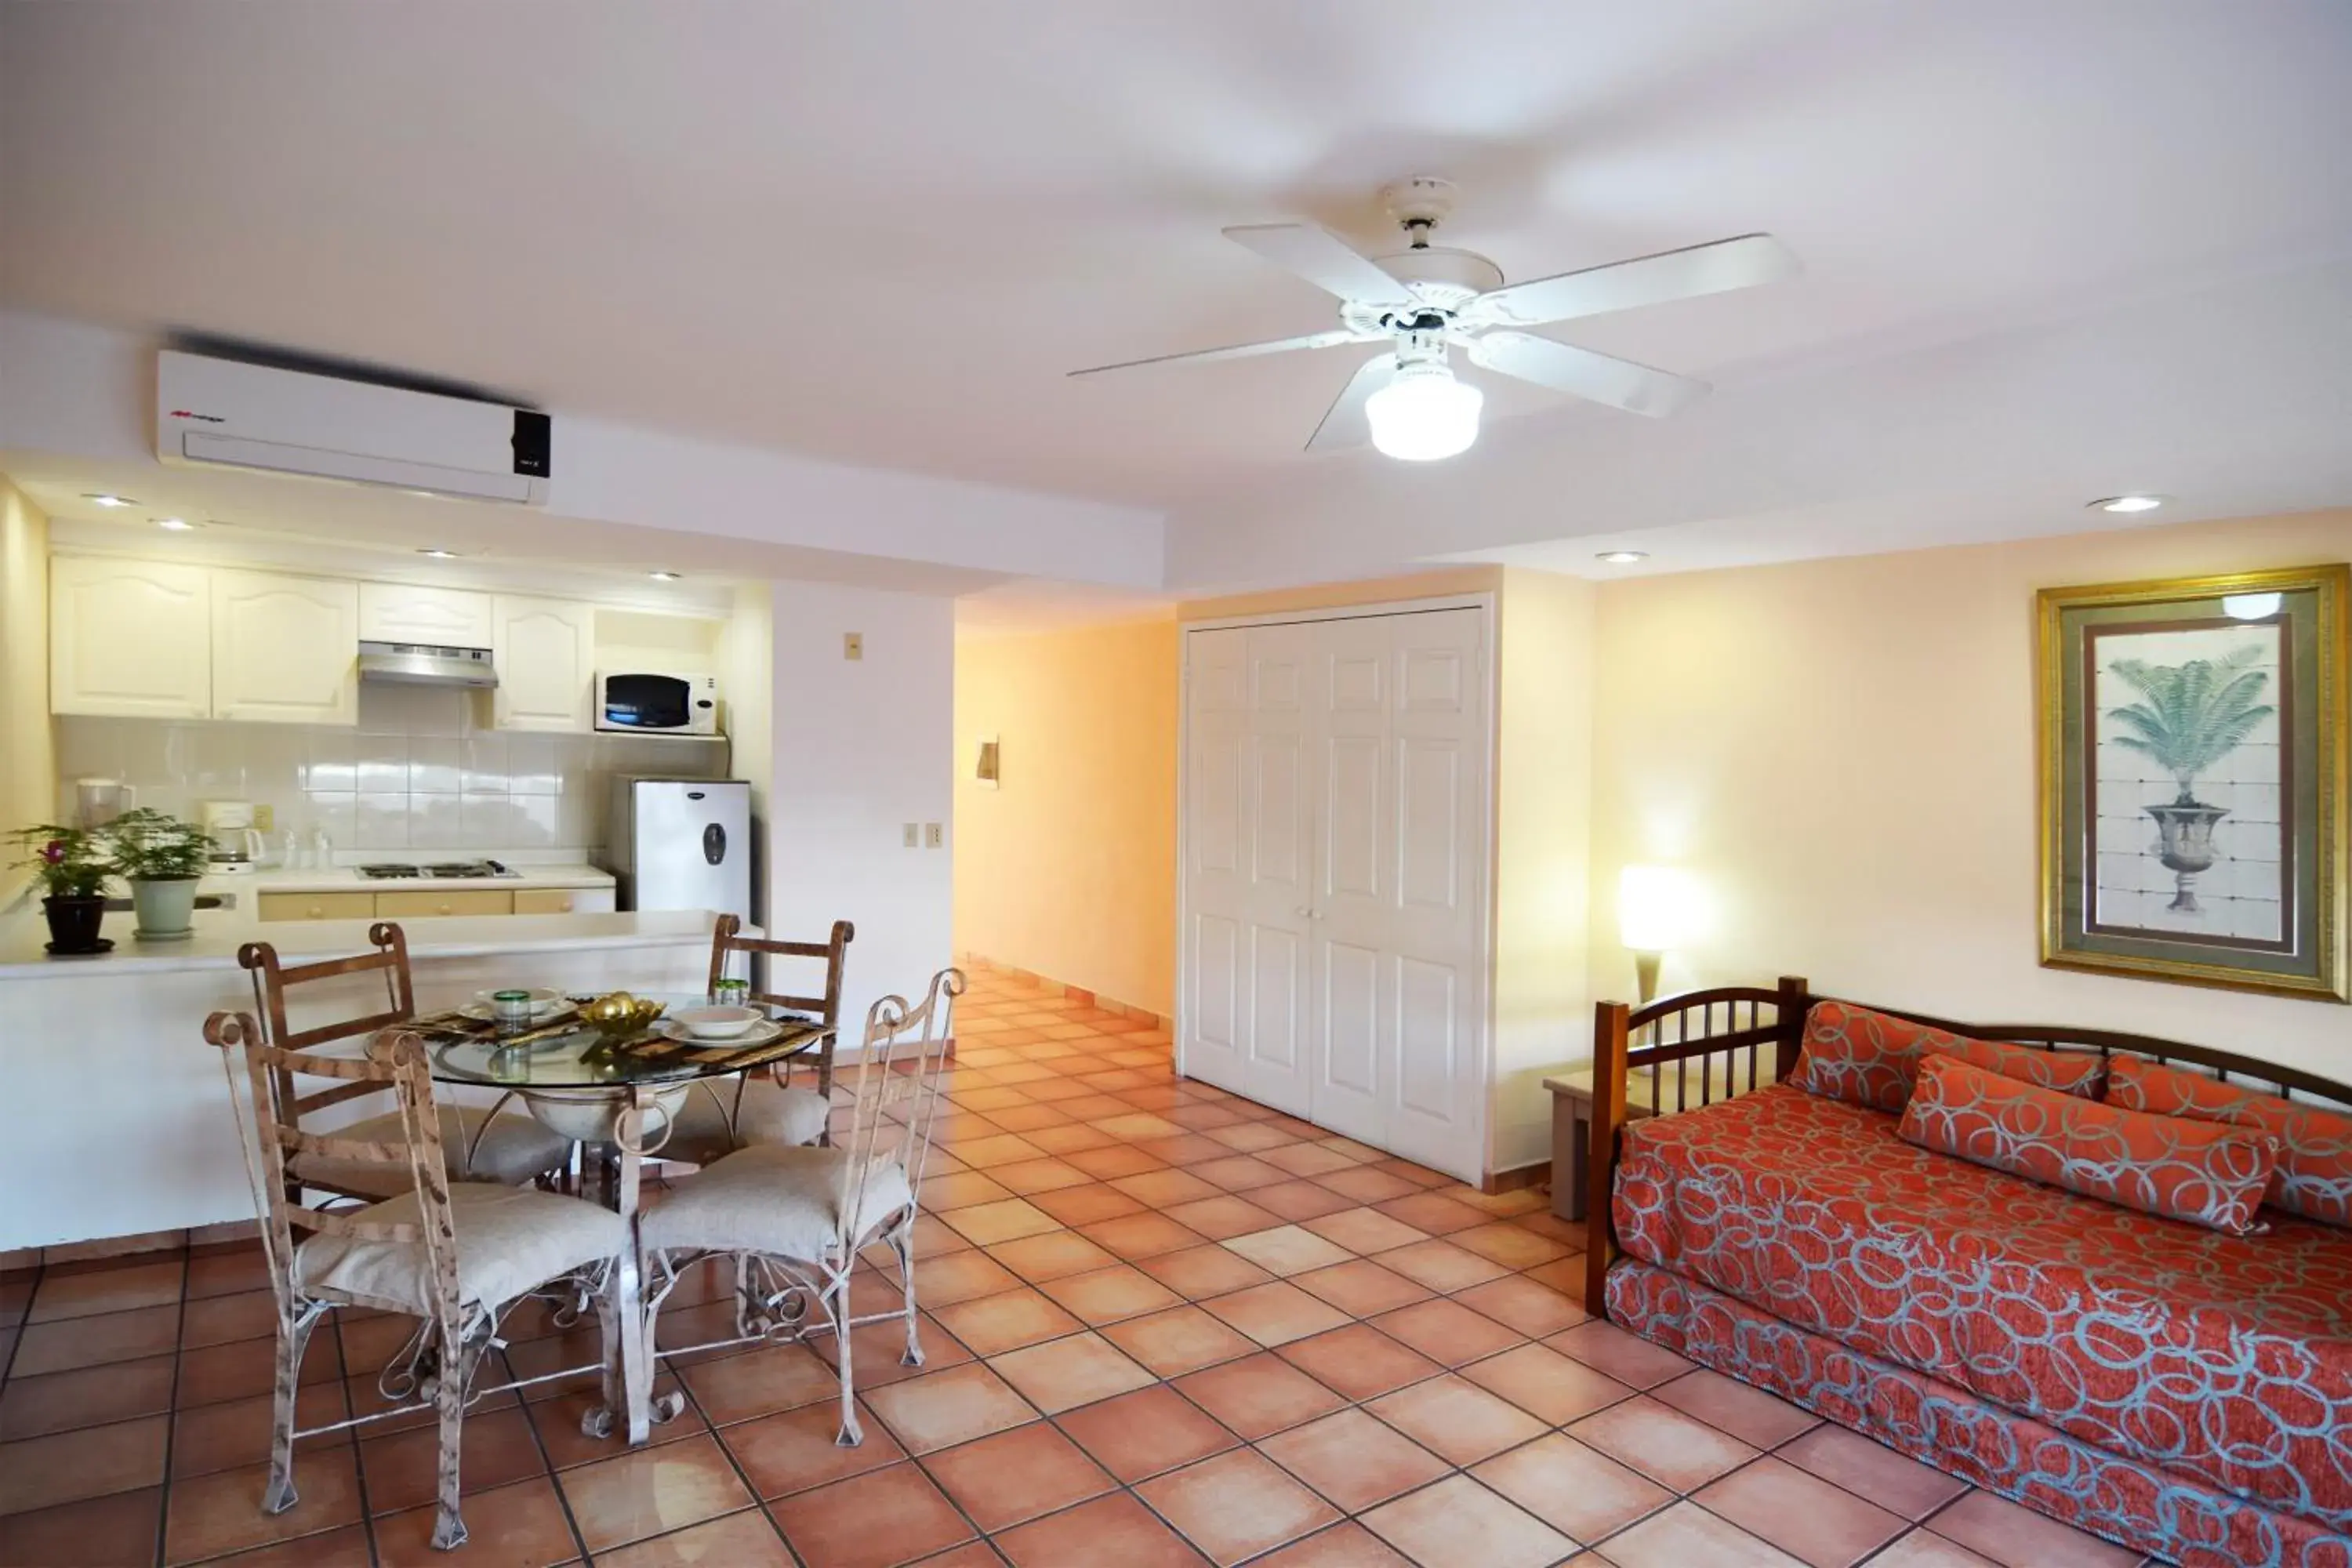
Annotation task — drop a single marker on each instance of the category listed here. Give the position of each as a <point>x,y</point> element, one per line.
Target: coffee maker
<point>236,843</point>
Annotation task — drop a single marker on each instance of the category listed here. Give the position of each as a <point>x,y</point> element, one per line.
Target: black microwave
<point>656,702</point>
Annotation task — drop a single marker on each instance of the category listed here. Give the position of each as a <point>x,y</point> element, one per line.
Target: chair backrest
<point>270,1116</point>
<point>898,1087</point>
<point>273,981</point>
<point>726,939</point>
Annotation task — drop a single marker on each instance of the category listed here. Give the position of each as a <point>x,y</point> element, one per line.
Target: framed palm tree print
<point>2193,774</point>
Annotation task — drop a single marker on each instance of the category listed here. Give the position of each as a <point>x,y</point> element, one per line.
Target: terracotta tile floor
<point>1163,1326</point>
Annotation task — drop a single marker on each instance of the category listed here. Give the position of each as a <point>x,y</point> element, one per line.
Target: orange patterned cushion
<point>2165,1165</point>
<point>1871,1059</point>
<point>2314,1172</point>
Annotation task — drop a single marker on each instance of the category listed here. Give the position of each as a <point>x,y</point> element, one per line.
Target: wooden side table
<point>1571,1115</point>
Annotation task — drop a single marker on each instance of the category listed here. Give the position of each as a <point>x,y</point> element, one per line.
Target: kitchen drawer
<point>316,906</point>
<point>409,906</point>
<point>545,900</point>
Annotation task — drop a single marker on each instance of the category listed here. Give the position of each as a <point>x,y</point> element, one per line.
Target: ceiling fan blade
<point>1621,384</point>
<point>1332,339</point>
<point>1344,423</point>
<point>1323,259</point>
<point>1715,269</point>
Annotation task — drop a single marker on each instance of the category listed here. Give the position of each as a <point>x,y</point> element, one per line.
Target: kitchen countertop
<point>219,935</point>
<point>347,878</point>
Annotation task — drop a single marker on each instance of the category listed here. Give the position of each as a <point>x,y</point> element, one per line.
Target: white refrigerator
<point>682,844</point>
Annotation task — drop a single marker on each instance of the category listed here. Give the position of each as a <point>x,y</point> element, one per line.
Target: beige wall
<point>27,768</point>
<point>1543,1001</point>
<point>1069,868</point>
<point>1841,752</point>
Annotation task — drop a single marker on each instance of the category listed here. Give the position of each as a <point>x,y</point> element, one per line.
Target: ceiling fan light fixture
<point>2130,504</point>
<point>1423,414</point>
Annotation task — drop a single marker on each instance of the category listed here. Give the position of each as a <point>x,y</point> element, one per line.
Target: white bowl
<point>541,1002</point>
<point>717,1022</point>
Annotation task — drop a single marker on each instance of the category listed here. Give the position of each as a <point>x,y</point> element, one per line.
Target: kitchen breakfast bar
<point>122,1123</point>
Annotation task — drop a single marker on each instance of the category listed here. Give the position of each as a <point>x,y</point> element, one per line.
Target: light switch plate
<point>265,816</point>
<point>853,645</point>
<point>934,835</point>
<point>914,835</point>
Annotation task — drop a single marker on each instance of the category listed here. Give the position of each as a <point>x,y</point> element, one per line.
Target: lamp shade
<point>1655,907</point>
<point>1423,414</point>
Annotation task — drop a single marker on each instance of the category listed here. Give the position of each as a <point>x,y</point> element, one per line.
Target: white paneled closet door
<point>1336,796</point>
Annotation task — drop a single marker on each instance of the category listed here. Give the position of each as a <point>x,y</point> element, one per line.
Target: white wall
<point>747,674</point>
<point>26,764</point>
<point>860,748</point>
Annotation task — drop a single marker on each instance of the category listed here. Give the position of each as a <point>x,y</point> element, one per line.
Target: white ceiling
<point>879,233</point>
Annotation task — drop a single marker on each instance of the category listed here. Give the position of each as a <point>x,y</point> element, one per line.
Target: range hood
<point>422,664</point>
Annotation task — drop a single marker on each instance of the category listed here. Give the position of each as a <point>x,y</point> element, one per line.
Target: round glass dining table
<point>618,1096</point>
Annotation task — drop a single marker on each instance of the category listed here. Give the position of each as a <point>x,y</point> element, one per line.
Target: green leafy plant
<point>71,862</point>
<point>152,846</point>
<point>2191,715</point>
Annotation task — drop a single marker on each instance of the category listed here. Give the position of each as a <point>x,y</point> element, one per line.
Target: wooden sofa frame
<point>1730,1023</point>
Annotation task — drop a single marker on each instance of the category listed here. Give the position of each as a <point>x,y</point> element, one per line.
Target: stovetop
<point>393,871</point>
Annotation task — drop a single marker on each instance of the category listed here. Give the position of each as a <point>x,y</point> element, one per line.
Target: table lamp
<point>1655,905</point>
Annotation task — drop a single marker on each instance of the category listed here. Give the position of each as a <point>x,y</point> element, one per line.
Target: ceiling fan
<point>1427,300</point>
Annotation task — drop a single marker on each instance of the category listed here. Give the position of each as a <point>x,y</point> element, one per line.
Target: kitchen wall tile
<point>337,812</point>
<point>485,764</point>
<point>382,821</point>
<point>537,822</point>
<point>534,765</point>
<point>382,764</point>
<point>492,821</point>
<point>436,821</point>
<point>330,759</point>
<point>434,763</point>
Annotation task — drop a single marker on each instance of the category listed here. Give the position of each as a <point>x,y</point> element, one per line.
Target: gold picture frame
<point>2226,694</point>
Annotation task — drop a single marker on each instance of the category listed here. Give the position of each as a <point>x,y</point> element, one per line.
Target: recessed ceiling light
<point>100,498</point>
<point>176,524</point>
<point>662,576</point>
<point>1622,557</point>
<point>2130,504</point>
<point>439,555</point>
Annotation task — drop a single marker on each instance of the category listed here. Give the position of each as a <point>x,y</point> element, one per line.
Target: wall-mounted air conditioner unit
<point>221,413</point>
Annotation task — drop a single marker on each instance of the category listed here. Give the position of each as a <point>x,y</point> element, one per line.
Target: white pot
<point>167,908</point>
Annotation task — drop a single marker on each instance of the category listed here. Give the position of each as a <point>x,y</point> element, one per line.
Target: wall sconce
<point>985,772</point>
<point>1656,906</point>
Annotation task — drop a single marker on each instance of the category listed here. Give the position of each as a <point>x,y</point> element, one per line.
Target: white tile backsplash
<point>421,771</point>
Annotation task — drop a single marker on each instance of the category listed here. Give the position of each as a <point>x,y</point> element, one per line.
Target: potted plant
<point>2189,717</point>
<point>73,865</point>
<point>162,857</point>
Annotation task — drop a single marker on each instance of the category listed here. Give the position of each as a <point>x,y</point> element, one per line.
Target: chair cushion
<point>515,1149</point>
<point>509,1241</point>
<point>787,1202</point>
<point>1871,1059</point>
<point>2314,1172</point>
<point>771,1114</point>
<point>2201,1172</point>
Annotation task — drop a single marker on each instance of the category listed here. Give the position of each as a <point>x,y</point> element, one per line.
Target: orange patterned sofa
<point>2169,1386</point>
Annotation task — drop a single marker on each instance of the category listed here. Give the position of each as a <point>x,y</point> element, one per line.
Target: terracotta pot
<point>73,923</point>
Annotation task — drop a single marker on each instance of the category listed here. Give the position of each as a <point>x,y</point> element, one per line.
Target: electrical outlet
<point>265,817</point>
<point>934,835</point>
<point>853,645</point>
<point>913,836</point>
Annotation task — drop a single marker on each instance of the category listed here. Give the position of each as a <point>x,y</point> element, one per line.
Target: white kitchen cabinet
<point>438,617</point>
<point>286,650</point>
<point>130,638</point>
<point>546,658</point>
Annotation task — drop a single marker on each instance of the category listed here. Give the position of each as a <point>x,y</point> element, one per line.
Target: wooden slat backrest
<point>726,939</point>
<point>273,979</point>
<point>394,1059</point>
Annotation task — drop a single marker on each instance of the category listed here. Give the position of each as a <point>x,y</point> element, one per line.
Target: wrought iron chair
<point>480,1146</point>
<point>797,1218</point>
<point>455,1255</point>
<point>754,1109</point>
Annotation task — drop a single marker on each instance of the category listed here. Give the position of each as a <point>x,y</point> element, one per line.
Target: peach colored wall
<point>1543,804</point>
<point>1069,869</point>
<point>1841,752</point>
<point>27,775</point>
